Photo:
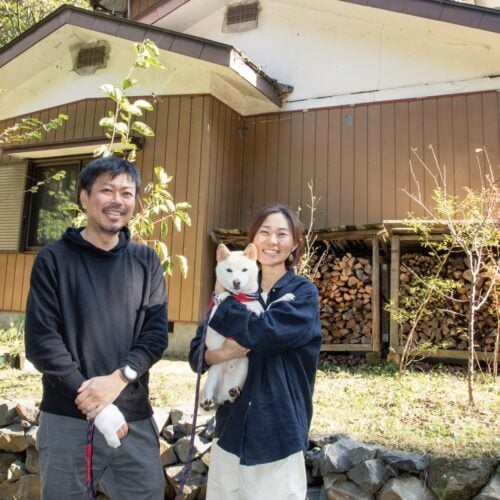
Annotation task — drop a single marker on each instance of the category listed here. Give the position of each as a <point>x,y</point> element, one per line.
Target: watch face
<point>129,373</point>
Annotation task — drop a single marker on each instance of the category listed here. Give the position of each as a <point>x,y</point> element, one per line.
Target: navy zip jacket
<point>91,311</point>
<point>270,419</point>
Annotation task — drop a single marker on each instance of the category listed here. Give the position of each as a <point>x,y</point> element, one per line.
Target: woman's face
<point>274,240</point>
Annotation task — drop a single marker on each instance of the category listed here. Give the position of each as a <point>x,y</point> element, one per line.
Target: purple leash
<point>201,355</point>
<point>89,445</point>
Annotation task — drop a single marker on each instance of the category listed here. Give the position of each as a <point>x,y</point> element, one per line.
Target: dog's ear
<point>251,252</point>
<point>222,252</point>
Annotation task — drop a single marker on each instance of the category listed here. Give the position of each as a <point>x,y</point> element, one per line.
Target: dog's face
<point>238,271</point>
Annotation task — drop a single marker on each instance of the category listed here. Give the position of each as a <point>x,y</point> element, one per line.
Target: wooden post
<point>375,294</point>
<point>395,263</point>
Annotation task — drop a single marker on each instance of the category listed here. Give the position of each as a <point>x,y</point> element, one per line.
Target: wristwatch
<point>128,374</point>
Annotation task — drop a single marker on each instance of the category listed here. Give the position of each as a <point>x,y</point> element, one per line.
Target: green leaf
<point>183,265</point>
<point>107,122</point>
<point>121,128</point>
<point>142,128</point>
<point>128,83</point>
<point>141,103</point>
<point>132,109</point>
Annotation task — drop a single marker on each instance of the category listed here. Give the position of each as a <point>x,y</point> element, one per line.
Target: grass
<point>421,412</point>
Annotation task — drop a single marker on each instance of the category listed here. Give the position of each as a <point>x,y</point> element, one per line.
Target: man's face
<point>110,204</point>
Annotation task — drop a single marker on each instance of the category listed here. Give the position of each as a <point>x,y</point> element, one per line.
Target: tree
<point>16,16</point>
<point>472,225</point>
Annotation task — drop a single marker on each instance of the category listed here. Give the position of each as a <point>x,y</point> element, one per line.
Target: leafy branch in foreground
<point>157,208</point>
<point>123,120</point>
<point>30,128</point>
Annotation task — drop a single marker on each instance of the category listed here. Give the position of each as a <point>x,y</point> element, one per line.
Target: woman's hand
<point>230,349</point>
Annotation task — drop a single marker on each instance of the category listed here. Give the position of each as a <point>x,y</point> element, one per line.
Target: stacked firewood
<point>445,323</point>
<point>345,289</point>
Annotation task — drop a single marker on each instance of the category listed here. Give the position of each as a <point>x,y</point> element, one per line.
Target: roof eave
<point>186,45</point>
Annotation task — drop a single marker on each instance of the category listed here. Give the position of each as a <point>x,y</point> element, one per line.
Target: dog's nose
<point>236,284</point>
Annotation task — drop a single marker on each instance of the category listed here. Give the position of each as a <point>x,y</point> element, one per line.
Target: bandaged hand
<point>108,422</point>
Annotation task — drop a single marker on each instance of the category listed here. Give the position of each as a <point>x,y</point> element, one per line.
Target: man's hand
<point>98,392</point>
<point>112,425</point>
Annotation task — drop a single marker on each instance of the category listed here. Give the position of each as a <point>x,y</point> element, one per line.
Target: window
<point>46,215</point>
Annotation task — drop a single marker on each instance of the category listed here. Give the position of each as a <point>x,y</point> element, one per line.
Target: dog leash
<point>89,447</point>
<point>240,297</point>
<point>199,368</point>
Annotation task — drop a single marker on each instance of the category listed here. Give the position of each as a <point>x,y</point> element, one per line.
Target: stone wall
<point>338,466</point>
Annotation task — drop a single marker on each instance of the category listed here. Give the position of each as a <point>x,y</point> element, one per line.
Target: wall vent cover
<point>241,16</point>
<point>89,57</point>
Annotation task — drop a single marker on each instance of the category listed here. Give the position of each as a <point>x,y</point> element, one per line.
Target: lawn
<point>426,412</point>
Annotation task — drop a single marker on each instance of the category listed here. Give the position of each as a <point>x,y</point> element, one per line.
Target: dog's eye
<point>229,270</point>
<point>244,270</point>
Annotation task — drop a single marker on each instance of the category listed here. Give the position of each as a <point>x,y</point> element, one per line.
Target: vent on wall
<point>93,56</point>
<point>241,16</point>
<point>89,57</point>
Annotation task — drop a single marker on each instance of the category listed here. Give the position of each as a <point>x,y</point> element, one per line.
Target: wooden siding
<point>137,7</point>
<point>198,141</point>
<point>358,156</point>
<point>12,179</point>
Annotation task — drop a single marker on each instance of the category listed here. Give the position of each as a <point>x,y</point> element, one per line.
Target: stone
<point>345,490</point>
<point>27,488</point>
<point>182,448</point>
<point>161,417</point>
<point>403,461</point>
<point>171,433</point>
<point>459,479</point>
<point>335,457</point>
<point>208,431</point>
<point>195,486</point>
<point>405,487</point>
<point>6,459</point>
<point>205,458</point>
<point>32,461</point>
<point>330,479</point>
<point>31,435</point>
<point>28,410</point>
<point>167,453</point>
<point>492,490</point>
<point>16,470</point>
<point>12,438</point>
<point>313,460</point>
<point>197,466</point>
<point>371,474</point>
<point>7,412</point>
<point>362,453</point>
<point>323,439</point>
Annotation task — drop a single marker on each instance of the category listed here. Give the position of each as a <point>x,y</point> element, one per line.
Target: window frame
<point>67,161</point>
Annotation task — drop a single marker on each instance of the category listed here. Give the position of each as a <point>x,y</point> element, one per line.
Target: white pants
<point>281,480</point>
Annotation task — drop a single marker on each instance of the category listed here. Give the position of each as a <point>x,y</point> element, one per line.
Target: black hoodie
<point>91,311</point>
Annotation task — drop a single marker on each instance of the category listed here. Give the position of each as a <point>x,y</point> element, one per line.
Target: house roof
<point>448,11</point>
<point>243,72</point>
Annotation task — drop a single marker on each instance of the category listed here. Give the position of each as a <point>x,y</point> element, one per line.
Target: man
<point>95,323</point>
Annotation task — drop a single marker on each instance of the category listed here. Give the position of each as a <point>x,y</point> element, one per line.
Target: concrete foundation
<point>179,340</point>
<point>7,316</point>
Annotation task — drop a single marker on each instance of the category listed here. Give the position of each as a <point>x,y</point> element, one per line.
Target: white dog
<point>238,273</point>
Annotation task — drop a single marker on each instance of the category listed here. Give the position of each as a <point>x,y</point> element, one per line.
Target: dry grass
<point>423,412</point>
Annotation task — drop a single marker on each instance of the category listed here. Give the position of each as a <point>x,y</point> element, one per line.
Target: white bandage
<point>108,422</point>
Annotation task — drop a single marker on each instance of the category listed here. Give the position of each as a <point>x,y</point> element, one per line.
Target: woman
<point>262,436</point>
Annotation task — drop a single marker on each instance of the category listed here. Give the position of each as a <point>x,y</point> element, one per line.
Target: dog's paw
<point>234,392</point>
<point>208,404</point>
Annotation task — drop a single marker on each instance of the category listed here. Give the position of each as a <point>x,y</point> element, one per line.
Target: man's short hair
<point>111,165</point>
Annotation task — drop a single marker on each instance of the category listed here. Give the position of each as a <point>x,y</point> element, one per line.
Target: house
<point>258,98</point>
